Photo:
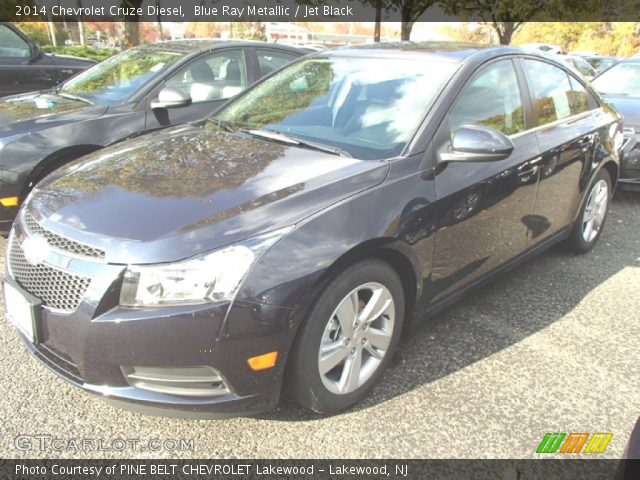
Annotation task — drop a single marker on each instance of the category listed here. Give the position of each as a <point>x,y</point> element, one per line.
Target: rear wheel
<point>592,215</point>
<point>349,338</point>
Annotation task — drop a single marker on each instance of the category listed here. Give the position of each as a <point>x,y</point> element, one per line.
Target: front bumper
<point>93,346</point>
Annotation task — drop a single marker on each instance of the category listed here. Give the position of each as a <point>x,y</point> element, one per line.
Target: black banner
<point>320,10</point>
<point>547,469</point>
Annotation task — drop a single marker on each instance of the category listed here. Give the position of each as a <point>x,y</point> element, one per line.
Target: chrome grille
<point>56,289</point>
<point>58,242</point>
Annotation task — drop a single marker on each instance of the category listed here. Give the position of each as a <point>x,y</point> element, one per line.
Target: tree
<point>507,16</point>
<point>410,12</point>
<point>131,25</point>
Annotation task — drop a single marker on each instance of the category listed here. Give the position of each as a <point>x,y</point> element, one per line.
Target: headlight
<point>212,277</point>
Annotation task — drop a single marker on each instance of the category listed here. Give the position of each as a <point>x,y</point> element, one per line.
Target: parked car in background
<point>136,91</point>
<point>620,86</point>
<point>541,48</point>
<point>600,62</point>
<point>290,238</point>
<point>581,65</point>
<point>25,67</point>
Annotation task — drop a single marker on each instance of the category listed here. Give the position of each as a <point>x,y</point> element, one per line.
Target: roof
<point>451,51</point>
<point>198,44</point>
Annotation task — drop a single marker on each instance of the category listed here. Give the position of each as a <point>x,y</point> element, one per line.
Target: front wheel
<point>592,215</point>
<point>349,338</point>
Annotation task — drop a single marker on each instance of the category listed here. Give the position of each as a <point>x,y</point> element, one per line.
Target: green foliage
<point>97,54</point>
<point>507,16</point>
<point>606,38</point>
<point>248,30</point>
<point>38,32</point>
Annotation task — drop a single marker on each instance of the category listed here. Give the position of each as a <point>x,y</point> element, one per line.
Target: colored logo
<point>574,442</point>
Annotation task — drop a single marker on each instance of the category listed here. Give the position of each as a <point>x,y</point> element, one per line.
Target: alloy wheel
<point>595,211</point>
<point>356,338</point>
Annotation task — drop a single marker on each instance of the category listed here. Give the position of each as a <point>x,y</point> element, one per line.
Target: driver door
<point>20,73</point>
<point>485,207</point>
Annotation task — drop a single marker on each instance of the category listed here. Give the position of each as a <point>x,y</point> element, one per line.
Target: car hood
<point>628,107</point>
<point>26,113</point>
<point>183,191</point>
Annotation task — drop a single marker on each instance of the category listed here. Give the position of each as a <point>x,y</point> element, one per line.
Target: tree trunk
<point>80,29</point>
<point>159,22</point>
<point>376,31</point>
<point>81,34</point>
<point>505,34</point>
<point>132,31</point>
<point>51,27</point>
<point>405,31</point>
<point>131,24</point>
<point>407,20</point>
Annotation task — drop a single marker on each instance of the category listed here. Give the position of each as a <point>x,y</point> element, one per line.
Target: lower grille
<point>54,288</point>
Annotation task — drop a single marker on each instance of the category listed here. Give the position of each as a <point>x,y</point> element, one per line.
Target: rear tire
<point>593,214</point>
<point>348,339</point>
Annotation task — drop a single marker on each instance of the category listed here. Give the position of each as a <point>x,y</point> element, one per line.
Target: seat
<point>203,88</point>
<point>232,80</point>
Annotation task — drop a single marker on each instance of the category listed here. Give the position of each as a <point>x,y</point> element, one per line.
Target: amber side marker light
<point>9,201</point>
<point>264,361</point>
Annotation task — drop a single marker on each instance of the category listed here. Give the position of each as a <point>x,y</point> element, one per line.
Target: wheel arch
<point>390,250</point>
<point>613,169</point>
<point>55,160</point>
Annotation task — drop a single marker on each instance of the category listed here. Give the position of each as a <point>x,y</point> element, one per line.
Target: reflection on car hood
<point>36,110</point>
<point>186,190</point>
<point>628,107</point>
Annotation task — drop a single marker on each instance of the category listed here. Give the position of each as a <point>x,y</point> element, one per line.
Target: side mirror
<point>477,143</point>
<point>170,97</point>
<point>36,52</point>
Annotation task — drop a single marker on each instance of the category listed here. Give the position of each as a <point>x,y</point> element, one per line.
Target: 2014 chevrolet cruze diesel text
<point>292,237</point>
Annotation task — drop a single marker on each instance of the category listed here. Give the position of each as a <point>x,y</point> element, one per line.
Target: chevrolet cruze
<point>285,243</point>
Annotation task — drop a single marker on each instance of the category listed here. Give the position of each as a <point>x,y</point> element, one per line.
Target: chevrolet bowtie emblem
<point>35,249</point>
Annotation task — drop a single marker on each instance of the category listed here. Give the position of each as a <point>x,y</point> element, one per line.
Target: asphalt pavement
<point>552,346</point>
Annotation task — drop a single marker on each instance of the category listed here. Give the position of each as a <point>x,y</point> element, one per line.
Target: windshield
<point>621,79</point>
<point>118,77</point>
<point>367,107</point>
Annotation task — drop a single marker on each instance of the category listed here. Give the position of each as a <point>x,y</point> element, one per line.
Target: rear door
<point>209,79</point>
<point>567,137</point>
<point>482,205</point>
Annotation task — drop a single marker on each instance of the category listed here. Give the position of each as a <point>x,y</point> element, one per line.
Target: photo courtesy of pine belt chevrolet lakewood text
<point>282,245</point>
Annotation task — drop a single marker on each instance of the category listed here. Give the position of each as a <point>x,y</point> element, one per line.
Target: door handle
<point>529,168</point>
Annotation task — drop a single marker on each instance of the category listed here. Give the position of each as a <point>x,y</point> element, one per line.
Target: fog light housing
<point>197,381</point>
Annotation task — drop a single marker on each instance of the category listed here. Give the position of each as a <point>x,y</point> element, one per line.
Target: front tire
<point>349,338</point>
<point>592,215</point>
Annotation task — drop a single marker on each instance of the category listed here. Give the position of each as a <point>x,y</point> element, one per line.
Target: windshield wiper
<point>74,97</point>
<point>224,125</point>
<point>298,141</point>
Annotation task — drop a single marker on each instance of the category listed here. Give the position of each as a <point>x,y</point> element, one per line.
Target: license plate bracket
<point>23,310</point>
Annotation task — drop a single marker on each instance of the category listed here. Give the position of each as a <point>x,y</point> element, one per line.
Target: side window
<point>578,97</point>
<point>492,99</point>
<point>11,45</point>
<point>551,91</point>
<point>271,60</point>
<point>214,77</point>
